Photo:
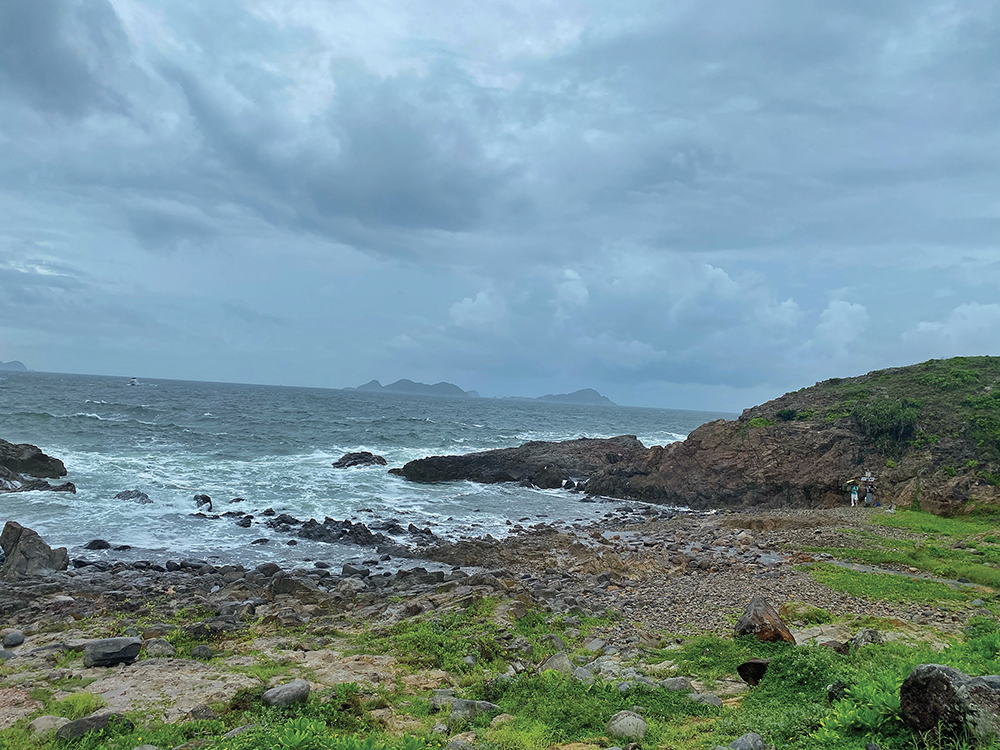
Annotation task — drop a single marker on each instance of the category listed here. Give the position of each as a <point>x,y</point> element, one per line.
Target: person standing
<point>854,495</point>
<point>869,496</point>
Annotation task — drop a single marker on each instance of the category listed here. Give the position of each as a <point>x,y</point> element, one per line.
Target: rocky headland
<point>929,433</point>
<point>25,467</point>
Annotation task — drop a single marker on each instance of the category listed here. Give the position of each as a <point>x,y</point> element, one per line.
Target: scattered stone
<point>559,662</point>
<point>5,655</point>
<point>134,496</point>
<point>748,741</point>
<point>464,710</point>
<point>464,741</point>
<point>502,719</point>
<point>708,699</point>
<point>626,724</point>
<point>240,730</point>
<point>867,637</point>
<point>12,639</point>
<point>677,684</point>
<point>296,691</point>
<point>761,620</point>
<point>106,652</point>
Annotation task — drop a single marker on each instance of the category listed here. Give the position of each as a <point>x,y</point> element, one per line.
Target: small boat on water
<point>133,381</point>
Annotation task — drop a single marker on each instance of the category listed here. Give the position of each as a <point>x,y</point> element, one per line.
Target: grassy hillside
<point>943,412</point>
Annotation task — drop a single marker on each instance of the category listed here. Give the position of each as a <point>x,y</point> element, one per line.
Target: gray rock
<point>5,655</point>
<point>867,637</point>
<point>583,675</point>
<point>80,727</point>
<point>559,662</point>
<point>146,747</point>
<point>680,684</point>
<point>134,496</point>
<point>709,699</point>
<point>626,724</point>
<point>296,691</point>
<point>748,741</point>
<point>202,652</point>
<point>596,645</point>
<point>27,555</point>
<point>160,647</point>
<point>441,698</point>
<point>936,698</point>
<point>555,641</point>
<point>13,639</point>
<point>240,730</point>
<point>106,652</point>
<point>469,661</point>
<point>45,724</point>
<point>463,710</point>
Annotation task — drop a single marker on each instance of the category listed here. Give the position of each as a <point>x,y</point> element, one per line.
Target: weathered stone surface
<point>45,724</point>
<point>172,686</point>
<point>27,555</point>
<point>627,725</point>
<point>936,698</point>
<point>540,463</point>
<point>15,704</point>
<point>359,458</point>
<point>559,662</point>
<point>464,710</point>
<point>13,639</point>
<point>748,741</point>
<point>296,691</point>
<point>762,621</point>
<point>80,727</point>
<point>679,684</point>
<point>22,458</point>
<point>106,652</point>
<point>160,648</point>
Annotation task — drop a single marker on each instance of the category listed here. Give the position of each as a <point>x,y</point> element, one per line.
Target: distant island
<point>14,366</point>
<point>585,396</point>
<point>420,389</point>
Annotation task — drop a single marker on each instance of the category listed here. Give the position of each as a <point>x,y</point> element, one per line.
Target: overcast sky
<point>681,204</point>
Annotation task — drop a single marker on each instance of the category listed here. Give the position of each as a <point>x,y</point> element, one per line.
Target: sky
<point>681,204</point>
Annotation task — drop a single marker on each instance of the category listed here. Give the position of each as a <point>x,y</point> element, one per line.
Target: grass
<point>885,586</point>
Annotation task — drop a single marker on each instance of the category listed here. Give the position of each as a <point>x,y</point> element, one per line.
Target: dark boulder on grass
<point>80,727</point>
<point>359,458</point>
<point>762,621</point>
<point>752,670</point>
<point>943,700</point>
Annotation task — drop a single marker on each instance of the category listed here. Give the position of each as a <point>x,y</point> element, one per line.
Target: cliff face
<point>929,433</point>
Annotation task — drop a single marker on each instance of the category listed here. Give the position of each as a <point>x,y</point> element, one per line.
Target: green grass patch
<point>885,586</point>
<point>928,523</point>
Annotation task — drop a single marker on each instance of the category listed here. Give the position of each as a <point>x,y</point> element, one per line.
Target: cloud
<point>970,328</point>
<point>486,312</point>
<point>840,324</point>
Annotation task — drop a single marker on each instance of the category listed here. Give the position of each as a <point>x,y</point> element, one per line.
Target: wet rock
<point>941,699</point>
<point>106,652</point>
<point>626,725</point>
<point>134,496</point>
<point>359,458</point>
<point>762,621</point>
<point>296,691</point>
<point>23,458</point>
<point>25,554</point>
<point>97,544</point>
<point>80,727</point>
<point>203,502</point>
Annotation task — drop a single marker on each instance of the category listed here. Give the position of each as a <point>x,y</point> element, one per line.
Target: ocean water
<point>274,446</point>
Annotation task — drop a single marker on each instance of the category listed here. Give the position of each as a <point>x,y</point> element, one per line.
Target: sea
<point>274,446</point>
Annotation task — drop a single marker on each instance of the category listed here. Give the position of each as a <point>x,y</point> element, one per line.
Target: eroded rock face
<point>359,458</point>
<point>936,698</point>
<point>546,465</point>
<point>22,458</point>
<point>27,555</point>
<point>762,621</point>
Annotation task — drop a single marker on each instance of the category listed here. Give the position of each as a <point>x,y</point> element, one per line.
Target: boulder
<point>45,724</point>
<point>160,648</point>
<point>80,727</point>
<point>748,741</point>
<point>13,639</point>
<point>27,555</point>
<point>627,725</point>
<point>867,637</point>
<point>359,458</point>
<point>296,691</point>
<point>106,652</point>
<point>22,458</point>
<point>941,699</point>
<point>464,710</point>
<point>559,662</point>
<point>762,621</point>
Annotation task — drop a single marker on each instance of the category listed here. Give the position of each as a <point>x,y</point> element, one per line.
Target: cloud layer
<point>680,205</point>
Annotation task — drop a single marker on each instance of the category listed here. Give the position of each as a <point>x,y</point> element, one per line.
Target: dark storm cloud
<point>727,195</point>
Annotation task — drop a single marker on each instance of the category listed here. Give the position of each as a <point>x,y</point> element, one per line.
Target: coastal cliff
<point>930,433</point>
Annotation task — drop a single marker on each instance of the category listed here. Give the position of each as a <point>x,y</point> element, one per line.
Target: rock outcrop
<point>543,464</point>
<point>940,699</point>
<point>762,621</point>
<point>359,458</point>
<point>24,467</point>
<point>27,555</point>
